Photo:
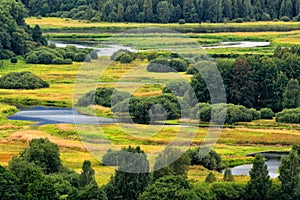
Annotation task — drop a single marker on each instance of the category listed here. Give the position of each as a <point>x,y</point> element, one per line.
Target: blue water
<point>45,115</point>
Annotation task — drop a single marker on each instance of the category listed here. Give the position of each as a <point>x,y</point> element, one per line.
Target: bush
<point>80,57</point>
<point>159,65</point>
<point>266,17</point>
<point>181,21</point>
<point>255,114</point>
<point>285,19</point>
<point>266,113</point>
<point>289,116</point>
<point>239,20</point>
<point>22,80</point>
<point>152,56</point>
<point>94,55</point>
<point>39,17</point>
<point>58,61</point>
<point>116,56</point>
<point>14,60</point>
<point>178,64</point>
<point>126,58</point>
<point>178,88</point>
<point>297,18</point>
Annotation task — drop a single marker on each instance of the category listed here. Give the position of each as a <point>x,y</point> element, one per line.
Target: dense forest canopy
<point>166,11</point>
<point>15,36</point>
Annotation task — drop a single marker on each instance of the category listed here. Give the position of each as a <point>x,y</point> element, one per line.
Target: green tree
<point>166,188</point>
<point>228,177</point>
<point>120,14</point>
<point>260,183</point>
<point>286,8</point>
<point>171,162</point>
<point>210,178</point>
<point>148,10</point>
<point>9,188</point>
<point>163,11</point>
<point>189,11</point>
<point>131,177</point>
<point>289,176</point>
<point>227,11</point>
<point>87,175</point>
<point>291,95</point>
<point>44,154</point>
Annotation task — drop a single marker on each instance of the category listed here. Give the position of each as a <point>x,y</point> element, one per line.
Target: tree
<point>227,11</point>
<point>210,178</point>
<point>243,87</point>
<point>289,176</point>
<point>131,177</point>
<point>165,188</point>
<point>148,10</point>
<point>260,183</point>
<point>9,188</point>
<point>291,95</point>
<point>120,14</point>
<point>171,162</point>
<point>286,8</point>
<point>44,154</point>
<point>87,175</point>
<point>163,11</point>
<point>189,11</point>
<point>91,192</point>
<point>228,177</point>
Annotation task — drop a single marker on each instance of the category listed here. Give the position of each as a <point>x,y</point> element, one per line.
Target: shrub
<point>52,46</point>
<point>210,178</point>
<point>266,17</point>
<point>181,21</point>
<point>94,55</point>
<point>1,63</point>
<point>285,19</point>
<point>45,57</point>
<point>14,60</point>
<point>58,61</point>
<point>22,80</point>
<point>266,113</point>
<point>80,57</point>
<point>39,17</point>
<point>178,64</point>
<point>152,56</point>
<point>239,20</point>
<point>255,114</point>
<point>159,65</point>
<point>116,56</point>
<point>275,20</point>
<point>126,58</point>
<point>289,116</point>
<point>297,18</point>
<point>178,88</point>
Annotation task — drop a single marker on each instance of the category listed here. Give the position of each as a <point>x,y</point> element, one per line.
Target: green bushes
<point>233,113</point>
<point>178,88</point>
<point>266,113</point>
<point>285,19</point>
<point>289,116</point>
<point>181,21</point>
<point>123,55</point>
<point>14,60</point>
<point>22,80</point>
<point>51,55</point>
<point>167,65</point>
<point>103,97</point>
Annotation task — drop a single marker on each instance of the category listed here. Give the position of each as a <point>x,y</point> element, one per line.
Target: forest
<point>169,11</point>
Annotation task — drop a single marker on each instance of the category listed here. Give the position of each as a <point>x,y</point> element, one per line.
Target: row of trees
<point>16,38</point>
<point>165,11</point>
<point>38,173</point>
<point>255,81</point>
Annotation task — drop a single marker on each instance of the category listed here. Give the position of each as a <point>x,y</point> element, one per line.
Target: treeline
<point>167,11</point>
<point>38,173</point>
<point>254,81</point>
<point>16,38</point>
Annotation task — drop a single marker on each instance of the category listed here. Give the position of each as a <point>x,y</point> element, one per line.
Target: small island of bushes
<point>22,80</point>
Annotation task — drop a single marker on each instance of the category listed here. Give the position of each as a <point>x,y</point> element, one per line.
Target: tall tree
<point>289,176</point>
<point>291,95</point>
<point>148,10</point>
<point>189,11</point>
<point>227,11</point>
<point>260,183</point>
<point>87,175</point>
<point>163,11</point>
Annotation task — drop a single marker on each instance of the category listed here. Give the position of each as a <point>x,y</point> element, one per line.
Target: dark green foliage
<point>210,178</point>
<point>291,95</point>
<point>14,60</point>
<point>91,192</point>
<point>228,177</point>
<point>178,88</point>
<point>116,56</point>
<point>22,80</point>
<point>87,175</point>
<point>171,162</point>
<point>132,176</point>
<point>165,188</point>
<point>255,114</point>
<point>126,58</point>
<point>285,19</point>
<point>167,65</point>
<point>44,154</point>
<point>289,116</point>
<point>228,190</point>
<point>289,176</point>
<point>9,188</point>
<point>146,109</point>
<point>181,21</point>
<point>41,189</point>
<point>266,113</point>
<point>103,96</point>
<point>80,57</point>
<point>260,183</point>
<point>203,192</point>
<point>211,161</point>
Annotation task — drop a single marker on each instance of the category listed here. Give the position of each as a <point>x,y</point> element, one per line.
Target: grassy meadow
<point>234,143</point>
